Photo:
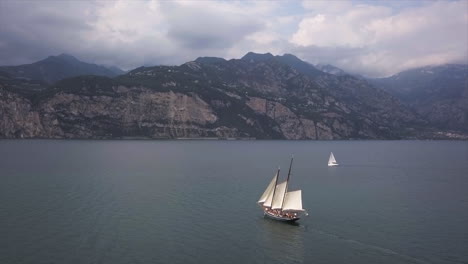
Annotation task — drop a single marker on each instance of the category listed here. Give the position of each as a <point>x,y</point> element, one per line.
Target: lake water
<point>195,202</point>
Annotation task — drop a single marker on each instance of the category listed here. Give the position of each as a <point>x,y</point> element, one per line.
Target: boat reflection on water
<point>282,237</point>
<point>283,242</point>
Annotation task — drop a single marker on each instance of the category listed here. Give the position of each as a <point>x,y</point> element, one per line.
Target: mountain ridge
<point>258,96</point>
<point>55,68</point>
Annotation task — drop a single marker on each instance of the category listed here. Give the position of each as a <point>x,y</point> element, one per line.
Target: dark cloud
<point>200,28</point>
<point>33,30</point>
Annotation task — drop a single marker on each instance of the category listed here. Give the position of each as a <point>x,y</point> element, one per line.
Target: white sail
<point>269,199</point>
<point>269,189</point>
<point>332,160</point>
<point>293,201</point>
<point>279,196</point>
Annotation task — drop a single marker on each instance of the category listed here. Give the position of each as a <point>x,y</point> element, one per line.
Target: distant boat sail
<point>280,204</point>
<point>332,160</point>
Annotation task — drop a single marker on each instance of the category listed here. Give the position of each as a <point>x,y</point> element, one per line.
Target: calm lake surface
<point>195,202</point>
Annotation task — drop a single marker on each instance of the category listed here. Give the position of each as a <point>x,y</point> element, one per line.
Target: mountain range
<point>55,68</point>
<point>438,93</point>
<point>259,96</point>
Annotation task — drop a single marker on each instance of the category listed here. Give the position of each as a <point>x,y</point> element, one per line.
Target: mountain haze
<point>438,93</point>
<point>328,68</point>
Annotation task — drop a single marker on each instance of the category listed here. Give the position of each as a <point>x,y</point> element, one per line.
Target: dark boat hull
<point>281,218</point>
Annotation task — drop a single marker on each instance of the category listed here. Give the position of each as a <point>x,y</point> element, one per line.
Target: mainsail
<point>269,189</point>
<point>332,160</point>
<point>279,196</point>
<point>293,201</point>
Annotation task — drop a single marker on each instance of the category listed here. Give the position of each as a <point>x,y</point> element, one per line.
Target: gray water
<point>195,202</point>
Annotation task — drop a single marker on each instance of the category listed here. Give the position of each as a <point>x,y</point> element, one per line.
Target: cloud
<point>123,33</point>
<point>371,38</point>
<point>200,27</point>
<point>387,41</point>
<point>33,30</point>
<point>327,6</point>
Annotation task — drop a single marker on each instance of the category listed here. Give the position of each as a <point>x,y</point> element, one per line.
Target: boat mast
<point>274,189</point>
<point>287,181</point>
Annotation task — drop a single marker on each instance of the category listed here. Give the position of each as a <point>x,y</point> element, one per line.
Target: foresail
<point>293,201</point>
<point>279,196</point>
<point>268,190</point>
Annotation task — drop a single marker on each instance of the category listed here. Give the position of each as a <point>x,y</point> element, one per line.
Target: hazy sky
<point>368,37</point>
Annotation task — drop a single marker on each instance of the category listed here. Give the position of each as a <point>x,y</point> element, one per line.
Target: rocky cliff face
<point>260,96</point>
<point>119,112</point>
<point>17,118</point>
<point>132,111</point>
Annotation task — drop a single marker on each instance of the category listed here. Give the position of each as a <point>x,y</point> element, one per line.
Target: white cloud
<point>390,41</point>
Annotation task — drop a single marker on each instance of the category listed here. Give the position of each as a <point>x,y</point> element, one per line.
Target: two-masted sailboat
<point>332,160</point>
<point>280,204</point>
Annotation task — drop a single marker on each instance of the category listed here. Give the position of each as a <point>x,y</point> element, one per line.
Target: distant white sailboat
<point>280,204</point>
<point>332,160</point>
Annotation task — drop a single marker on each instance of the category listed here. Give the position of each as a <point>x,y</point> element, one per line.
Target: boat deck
<point>279,217</point>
